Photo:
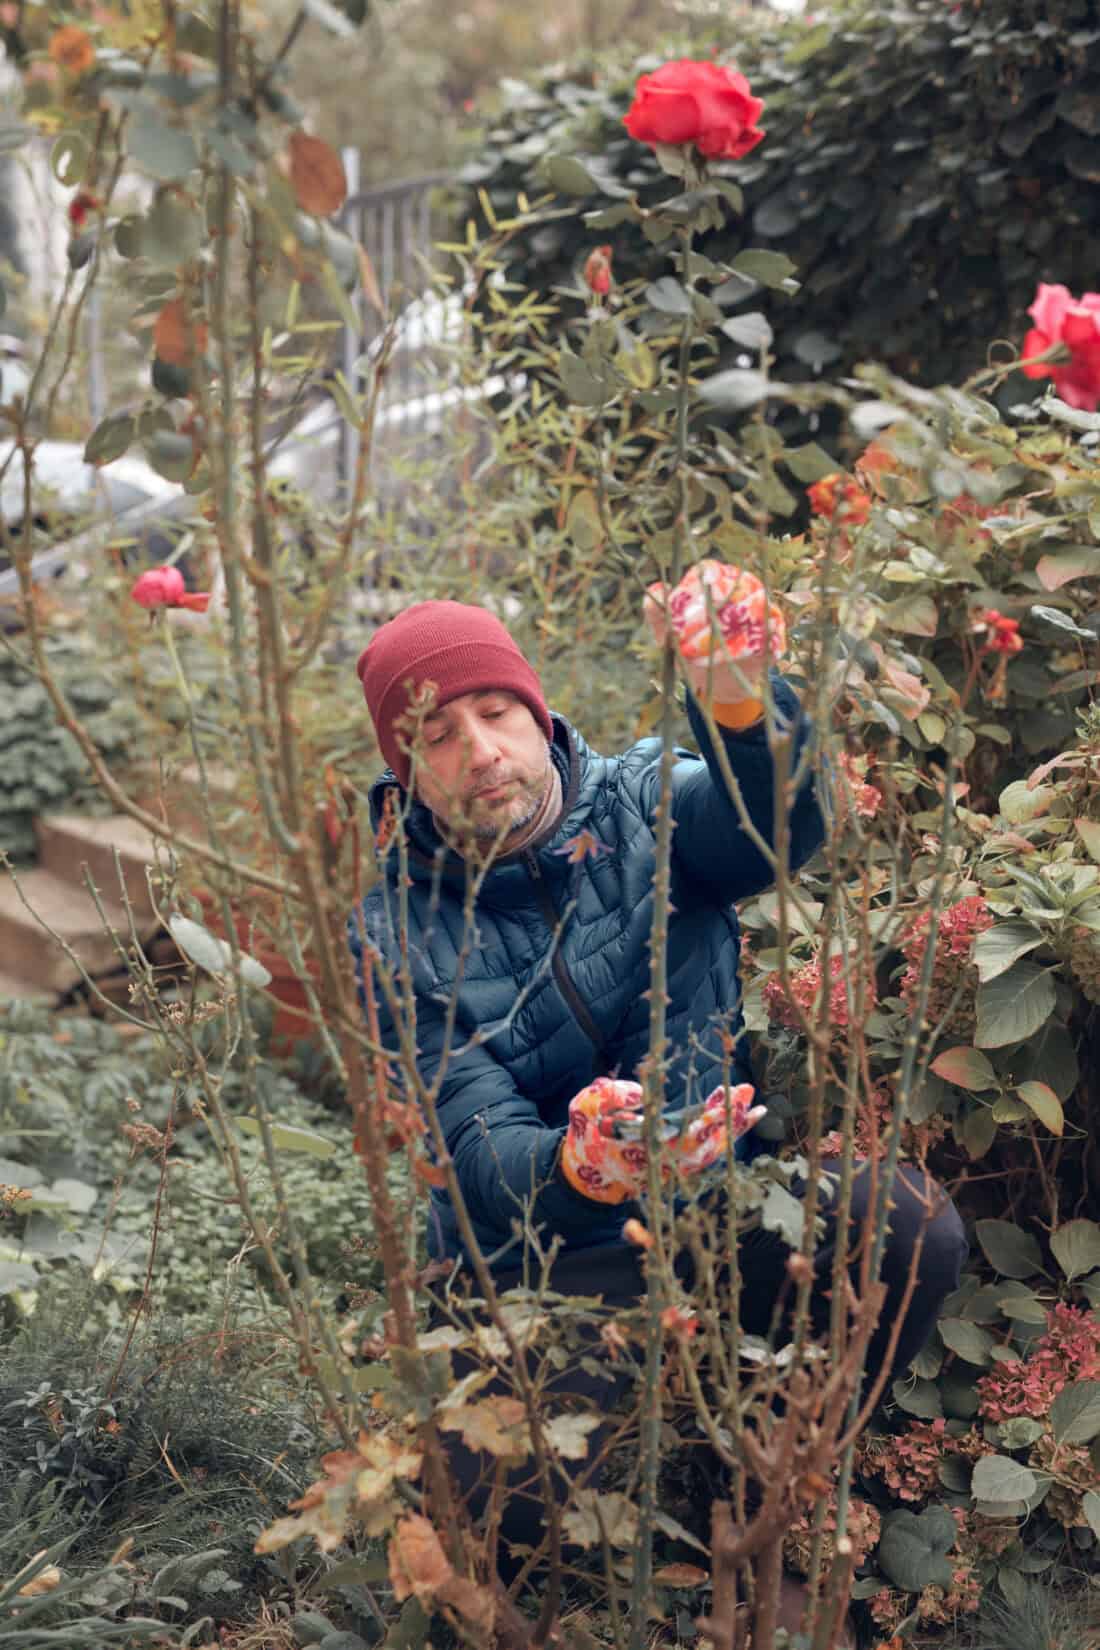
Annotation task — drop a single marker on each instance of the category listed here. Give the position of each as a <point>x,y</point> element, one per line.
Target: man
<point>532,1005</point>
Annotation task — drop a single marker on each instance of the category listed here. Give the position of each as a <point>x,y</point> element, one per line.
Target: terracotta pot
<point>293,1022</point>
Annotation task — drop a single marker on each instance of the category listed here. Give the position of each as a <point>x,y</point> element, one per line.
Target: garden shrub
<point>41,767</point>
<point>925,166</point>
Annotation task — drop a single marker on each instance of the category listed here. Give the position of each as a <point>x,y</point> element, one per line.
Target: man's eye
<point>437,738</point>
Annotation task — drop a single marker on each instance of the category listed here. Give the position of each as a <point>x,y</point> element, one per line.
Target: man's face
<point>483,764</point>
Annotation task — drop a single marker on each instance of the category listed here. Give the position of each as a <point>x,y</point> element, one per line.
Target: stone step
<point>69,842</point>
<point>29,954</point>
<point>17,990</point>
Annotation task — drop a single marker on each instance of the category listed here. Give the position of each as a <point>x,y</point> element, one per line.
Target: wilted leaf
<point>1089,832</point>
<point>1021,802</point>
<point>170,339</point>
<point>418,1565</point>
<point>967,1068</point>
<point>316,175</point>
<point>1076,1247</point>
<point>1082,562</point>
<point>497,1425</point>
<point>1091,1506</point>
<point>568,1434</point>
<point>618,1516</point>
<point>72,50</point>
<point>1010,1251</point>
<point>680,1575</point>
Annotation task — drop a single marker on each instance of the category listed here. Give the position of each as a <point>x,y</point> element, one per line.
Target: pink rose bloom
<point>705,104</point>
<point>164,587</point>
<point>1060,318</point>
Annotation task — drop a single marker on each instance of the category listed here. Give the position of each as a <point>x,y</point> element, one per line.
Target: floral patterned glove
<point>727,633</point>
<point>599,1158</point>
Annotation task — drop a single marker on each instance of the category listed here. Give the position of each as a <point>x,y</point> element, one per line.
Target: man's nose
<point>481,743</point>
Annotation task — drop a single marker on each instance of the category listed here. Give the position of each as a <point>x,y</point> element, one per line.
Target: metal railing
<point>398,226</point>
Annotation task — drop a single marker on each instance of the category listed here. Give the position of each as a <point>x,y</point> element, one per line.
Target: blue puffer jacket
<point>553,1016</point>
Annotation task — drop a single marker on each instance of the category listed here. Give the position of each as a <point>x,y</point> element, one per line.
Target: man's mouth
<point>491,791</point>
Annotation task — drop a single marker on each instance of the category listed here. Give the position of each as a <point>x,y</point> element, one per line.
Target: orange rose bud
<point>597,271</point>
<point>72,50</point>
<point>678,1321</point>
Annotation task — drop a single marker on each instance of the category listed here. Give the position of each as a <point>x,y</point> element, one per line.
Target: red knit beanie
<point>461,649</point>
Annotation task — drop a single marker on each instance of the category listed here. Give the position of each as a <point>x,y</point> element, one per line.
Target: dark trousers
<point>922,1216</point>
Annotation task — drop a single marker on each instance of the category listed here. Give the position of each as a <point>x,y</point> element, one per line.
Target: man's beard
<point>523,808</point>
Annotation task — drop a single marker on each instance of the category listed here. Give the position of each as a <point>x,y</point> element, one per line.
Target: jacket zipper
<point>565,980</point>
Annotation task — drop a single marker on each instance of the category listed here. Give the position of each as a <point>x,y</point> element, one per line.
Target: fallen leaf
<point>680,1575</point>
<point>316,175</point>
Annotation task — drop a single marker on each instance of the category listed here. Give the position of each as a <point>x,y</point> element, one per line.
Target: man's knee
<point>925,1219</point>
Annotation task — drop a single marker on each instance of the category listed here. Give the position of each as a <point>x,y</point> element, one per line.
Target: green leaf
<point>566,175</point>
<point>164,151</point>
<point>912,1551</point>
<point>76,1195</point>
<point>1075,1413</point>
<point>582,522</point>
<point>287,1138</point>
<point>1089,832</point>
<point>967,1340</point>
<point>110,439</point>
<point>1011,1252</point>
<point>976,1131</point>
<point>1058,620</point>
<point>1021,802</point>
<point>771,269</point>
<point>171,454</point>
<point>1076,1247</point>
<point>1091,1506</point>
<point>69,159</point>
<point>1000,1478</point>
<point>17,1274</point>
<point>1044,1103</point>
<point>668,296</point>
<point>918,1397</point>
<point>579,382</point>
<point>781,1212</point>
<point>215,955</point>
<point>753,332</point>
<point>999,947</point>
<point>736,390</point>
<point>967,1068</point>
<point>809,463</point>
<point>173,231</point>
<point>1013,1006</point>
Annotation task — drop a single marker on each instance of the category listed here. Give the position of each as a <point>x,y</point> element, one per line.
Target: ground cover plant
<point>925,991</point>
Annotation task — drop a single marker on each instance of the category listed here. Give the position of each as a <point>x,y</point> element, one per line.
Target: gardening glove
<point>727,634</point>
<point>604,1158</point>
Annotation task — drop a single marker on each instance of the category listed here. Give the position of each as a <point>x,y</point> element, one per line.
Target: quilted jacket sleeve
<point>504,1155</point>
<point>710,844</point>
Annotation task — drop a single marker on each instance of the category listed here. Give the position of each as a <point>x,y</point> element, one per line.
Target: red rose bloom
<point>164,587</point>
<point>838,492</point>
<point>1060,318</point>
<point>705,104</point>
<point>1003,635</point>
